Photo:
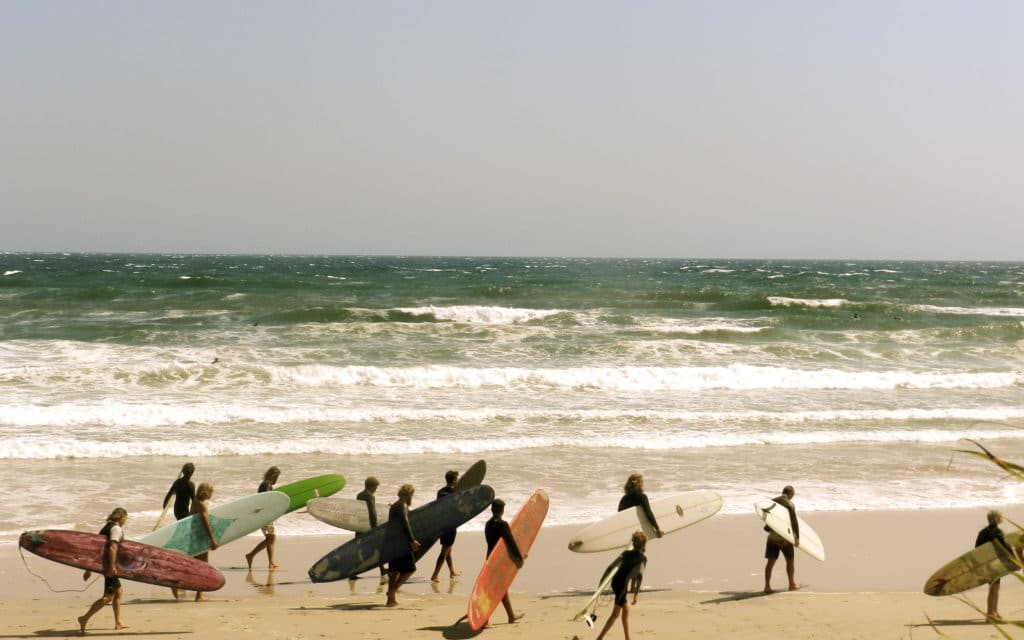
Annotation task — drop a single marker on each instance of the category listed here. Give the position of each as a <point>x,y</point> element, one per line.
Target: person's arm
<point>637,577</point>
<point>794,524</point>
<point>204,515</point>
<point>167,498</point>
<point>404,512</point>
<point>510,542</point>
<point>371,509</point>
<point>645,504</point>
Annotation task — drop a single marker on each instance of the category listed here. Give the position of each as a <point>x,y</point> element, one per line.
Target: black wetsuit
<point>991,533</point>
<point>399,513</point>
<point>184,492</point>
<point>111,583</point>
<point>633,563</point>
<point>448,537</point>
<point>639,500</point>
<point>371,507</point>
<point>497,529</point>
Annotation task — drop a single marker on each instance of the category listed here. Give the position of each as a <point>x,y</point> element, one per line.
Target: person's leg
<point>259,547</point>
<point>441,557</point>
<point>791,572</point>
<point>96,606</point>
<point>610,622</point>
<point>115,603</point>
<point>625,619</point>
<point>512,615</point>
<point>768,574</point>
<point>270,539</point>
<point>993,599</point>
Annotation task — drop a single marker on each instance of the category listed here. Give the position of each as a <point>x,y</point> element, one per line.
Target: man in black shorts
<point>447,538</point>
<point>776,544</point>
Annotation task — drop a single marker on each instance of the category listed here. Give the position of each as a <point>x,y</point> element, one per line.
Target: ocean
<point>854,381</point>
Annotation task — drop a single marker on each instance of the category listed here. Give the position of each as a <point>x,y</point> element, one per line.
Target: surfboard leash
<point>21,552</point>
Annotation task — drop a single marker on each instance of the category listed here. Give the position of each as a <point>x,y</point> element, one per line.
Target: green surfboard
<point>303,491</point>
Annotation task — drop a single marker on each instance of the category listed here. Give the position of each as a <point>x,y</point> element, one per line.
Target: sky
<point>728,129</point>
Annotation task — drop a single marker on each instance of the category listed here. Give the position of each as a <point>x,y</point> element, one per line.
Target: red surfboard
<point>135,561</point>
<point>499,569</point>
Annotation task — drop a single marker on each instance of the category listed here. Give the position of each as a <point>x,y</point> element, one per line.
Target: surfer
<point>114,532</point>
<point>269,478</point>
<point>628,576</point>
<point>368,495</point>
<point>497,529</point>
<point>776,544</point>
<point>400,569</point>
<point>201,508</point>
<point>448,538</point>
<point>992,533</point>
<point>184,492</point>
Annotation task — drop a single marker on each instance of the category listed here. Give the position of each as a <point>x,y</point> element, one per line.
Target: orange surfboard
<point>499,570</point>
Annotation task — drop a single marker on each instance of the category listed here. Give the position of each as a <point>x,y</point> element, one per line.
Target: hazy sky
<point>677,129</point>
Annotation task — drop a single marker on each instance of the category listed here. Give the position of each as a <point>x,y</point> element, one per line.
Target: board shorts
<point>111,585</point>
<point>776,545</point>
<point>448,539</point>
<point>268,530</point>
<point>404,564</point>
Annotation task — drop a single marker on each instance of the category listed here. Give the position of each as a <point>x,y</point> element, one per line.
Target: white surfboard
<point>345,513</point>
<point>673,513</point>
<point>229,521</point>
<point>776,517</point>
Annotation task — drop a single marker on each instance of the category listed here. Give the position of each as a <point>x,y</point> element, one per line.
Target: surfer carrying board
<point>776,544</point>
<point>992,533</point>
<point>368,495</point>
<point>634,496</point>
<point>628,576</point>
<point>448,538</point>
<point>269,534</point>
<point>400,569</point>
<point>201,509</point>
<point>114,532</point>
<point>497,529</point>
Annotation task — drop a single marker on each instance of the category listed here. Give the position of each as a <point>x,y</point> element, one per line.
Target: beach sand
<point>703,582</point>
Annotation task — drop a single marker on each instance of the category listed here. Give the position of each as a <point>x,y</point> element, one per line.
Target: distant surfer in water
<point>992,533</point>
<point>114,532</point>
<point>368,495</point>
<point>201,509</point>
<point>269,535</point>
<point>448,538</point>
<point>497,529</point>
<point>400,569</point>
<point>776,544</point>
<point>628,577</point>
<point>184,492</point>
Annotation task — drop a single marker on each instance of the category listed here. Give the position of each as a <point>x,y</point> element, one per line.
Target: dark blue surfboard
<point>388,542</point>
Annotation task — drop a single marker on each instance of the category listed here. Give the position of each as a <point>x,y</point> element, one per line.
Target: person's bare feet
<point>434,578</point>
<point>274,566</point>
<point>200,597</point>
<point>248,560</point>
<point>794,587</point>
<point>768,590</point>
<point>120,626</point>
<point>517,616</point>
<point>81,623</point>
<point>455,574</point>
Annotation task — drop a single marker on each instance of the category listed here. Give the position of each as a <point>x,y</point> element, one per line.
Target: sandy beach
<point>702,582</point>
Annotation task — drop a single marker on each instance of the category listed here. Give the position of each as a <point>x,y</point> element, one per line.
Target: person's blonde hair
<point>204,492</point>
<point>995,517</point>
<point>639,540</point>
<point>117,514</point>
<point>406,491</point>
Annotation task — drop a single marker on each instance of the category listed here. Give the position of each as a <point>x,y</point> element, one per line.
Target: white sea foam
<point>1011,312</point>
<point>705,325</point>
<point>12,272</point>
<point>780,301</point>
<point>473,314</point>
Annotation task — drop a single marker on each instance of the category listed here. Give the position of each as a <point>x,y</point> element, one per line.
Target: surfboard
<point>163,514</point>
<point>776,517</point>
<point>387,542</point>
<point>978,566</point>
<point>303,491</point>
<point>229,521</point>
<point>673,513</point>
<point>351,514</point>
<point>499,569</point>
<point>606,583</point>
<point>135,561</point>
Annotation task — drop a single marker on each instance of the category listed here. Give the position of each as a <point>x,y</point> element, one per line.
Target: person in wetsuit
<point>634,496</point>
<point>628,577</point>
<point>447,538</point>
<point>269,534</point>
<point>401,568</point>
<point>776,544</point>
<point>368,495</point>
<point>497,529</point>
<point>992,533</point>
<point>184,492</point>
<point>114,532</point>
